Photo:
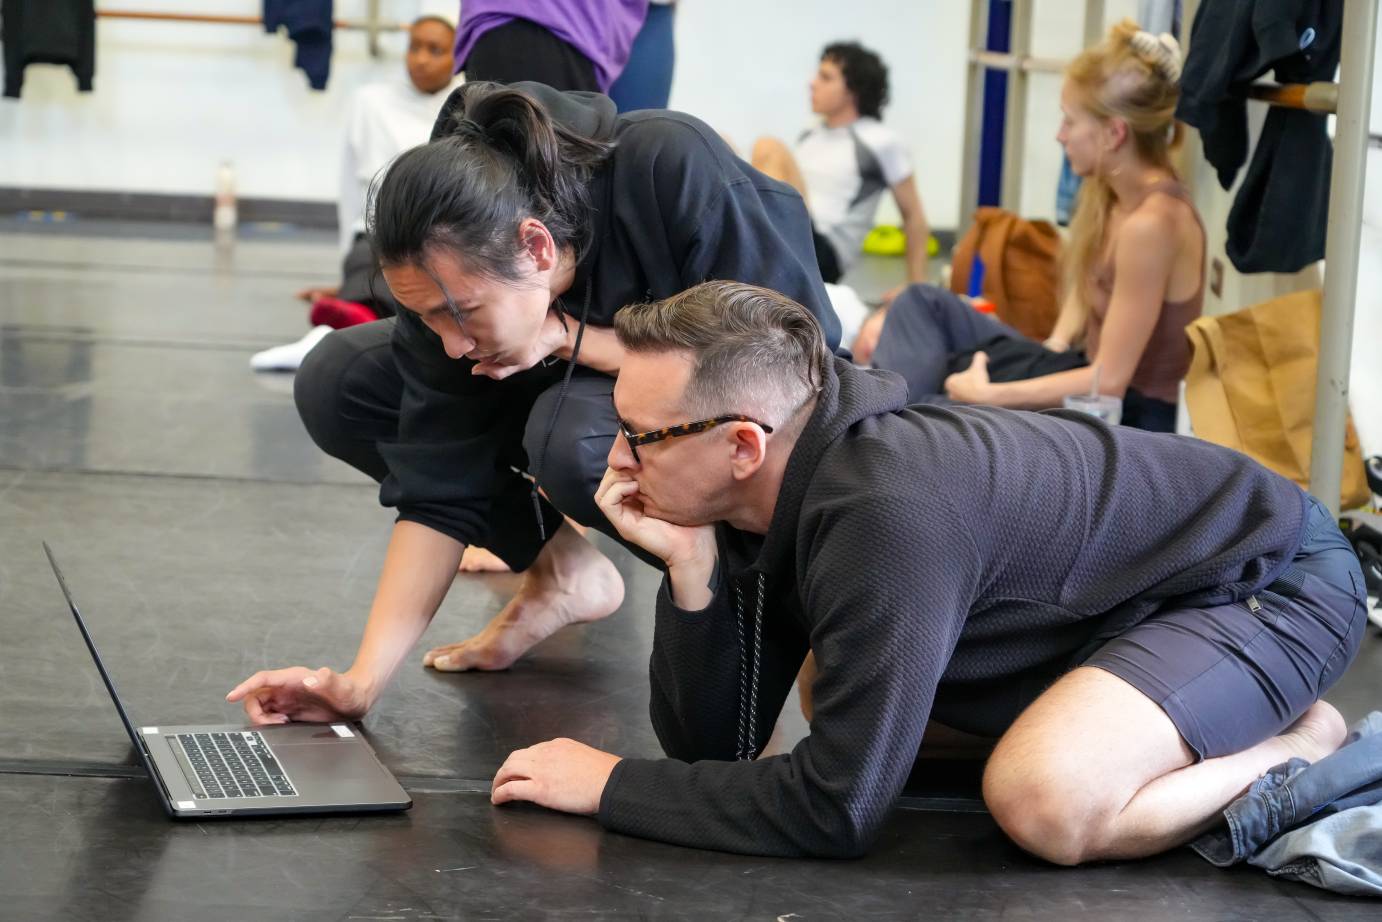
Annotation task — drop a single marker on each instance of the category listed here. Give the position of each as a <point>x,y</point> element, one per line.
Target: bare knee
<point>1052,821</point>
<point>768,150</point>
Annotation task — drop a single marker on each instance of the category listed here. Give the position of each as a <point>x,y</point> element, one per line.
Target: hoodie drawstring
<point>556,408</point>
<point>748,672</point>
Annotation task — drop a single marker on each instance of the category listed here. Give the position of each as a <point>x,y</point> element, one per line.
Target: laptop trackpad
<point>329,772</point>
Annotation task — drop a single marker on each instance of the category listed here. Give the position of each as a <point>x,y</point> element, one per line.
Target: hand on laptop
<point>298,693</point>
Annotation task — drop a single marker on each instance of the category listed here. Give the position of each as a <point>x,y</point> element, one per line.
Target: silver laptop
<point>208,771</point>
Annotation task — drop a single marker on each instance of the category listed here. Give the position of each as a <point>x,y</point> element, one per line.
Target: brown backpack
<point>1021,268</point>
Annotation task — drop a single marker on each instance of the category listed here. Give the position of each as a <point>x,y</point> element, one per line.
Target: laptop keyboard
<point>238,764</point>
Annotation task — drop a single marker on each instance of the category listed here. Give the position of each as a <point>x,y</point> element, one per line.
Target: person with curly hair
<point>842,165</point>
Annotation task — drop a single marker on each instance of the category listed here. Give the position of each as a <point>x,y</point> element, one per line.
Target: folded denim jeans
<point>1319,823</point>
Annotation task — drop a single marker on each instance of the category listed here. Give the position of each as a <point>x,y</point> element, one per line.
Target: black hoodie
<point>48,32</point>
<point>1278,220</point>
<point>672,207</point>
<point>945,562</point>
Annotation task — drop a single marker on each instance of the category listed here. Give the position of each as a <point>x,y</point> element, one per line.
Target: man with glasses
<point>1139,624</point>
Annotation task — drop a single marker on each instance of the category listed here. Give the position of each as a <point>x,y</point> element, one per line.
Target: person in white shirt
<point>843,165</point>
<point>384,120</point>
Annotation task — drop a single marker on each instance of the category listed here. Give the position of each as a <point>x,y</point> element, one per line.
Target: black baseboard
<point>150,206</point>
<point>194,209</point>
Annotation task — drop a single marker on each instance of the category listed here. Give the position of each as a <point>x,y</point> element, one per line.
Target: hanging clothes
<point>49,32</point>
<point>1277,223</point>
<point>309,25</point>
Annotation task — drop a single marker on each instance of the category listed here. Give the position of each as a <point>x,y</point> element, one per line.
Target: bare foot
<point>569,582</point>
<point>1318,732</point>
<point>477,559</point>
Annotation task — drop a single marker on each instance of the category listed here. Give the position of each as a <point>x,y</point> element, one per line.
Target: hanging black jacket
<point>945,562</point>
<point>672,207</point>
<point>49,32</point>
<point>1278,219</point>
<point>309,24</point>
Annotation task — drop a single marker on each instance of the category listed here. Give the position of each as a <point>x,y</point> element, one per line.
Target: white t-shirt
<point>847,169</point>
<point>384,120</point>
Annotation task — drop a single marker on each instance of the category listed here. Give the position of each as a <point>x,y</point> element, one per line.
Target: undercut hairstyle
<point>866,76</point>
<point>755,351</point>
<point>496,157</point>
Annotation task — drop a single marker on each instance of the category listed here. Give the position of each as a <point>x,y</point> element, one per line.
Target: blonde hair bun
<point>1161,51</point>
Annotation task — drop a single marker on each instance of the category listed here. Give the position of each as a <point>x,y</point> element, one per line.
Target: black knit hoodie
<point>940,562</point>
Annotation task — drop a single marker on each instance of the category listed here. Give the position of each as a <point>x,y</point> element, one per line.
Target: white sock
<point>290,356</point>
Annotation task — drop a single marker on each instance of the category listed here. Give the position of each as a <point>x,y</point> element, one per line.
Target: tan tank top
<point>1167,356</point>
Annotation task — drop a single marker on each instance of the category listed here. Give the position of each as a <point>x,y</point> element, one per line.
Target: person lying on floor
<point>1143,622</point>
<point>1135,264</point>
<point>384,120</point>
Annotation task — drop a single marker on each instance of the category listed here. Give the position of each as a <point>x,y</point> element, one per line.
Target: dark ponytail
<point>496,157</point>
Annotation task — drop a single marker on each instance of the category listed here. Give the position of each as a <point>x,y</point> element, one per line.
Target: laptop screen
<point>90,645</point>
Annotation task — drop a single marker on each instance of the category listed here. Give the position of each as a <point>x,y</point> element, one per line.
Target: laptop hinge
<point>152,768</point>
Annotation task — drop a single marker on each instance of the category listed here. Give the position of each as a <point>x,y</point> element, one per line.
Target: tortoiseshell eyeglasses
<point>671,432</point>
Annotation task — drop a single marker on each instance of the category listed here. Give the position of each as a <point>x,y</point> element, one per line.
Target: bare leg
<point>805,677</point>
<point>569,582</point>
<point>772,157</point>
<point>477,559</point>
<point>1096,770</point>
<point>1175,808</point>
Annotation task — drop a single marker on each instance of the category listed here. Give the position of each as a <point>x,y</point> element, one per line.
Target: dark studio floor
<point>205,537</point>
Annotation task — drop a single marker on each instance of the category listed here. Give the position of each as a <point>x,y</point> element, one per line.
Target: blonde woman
<point>1134,267</point>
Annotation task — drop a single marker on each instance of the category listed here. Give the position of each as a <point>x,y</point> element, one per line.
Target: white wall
<point>1058,33</point>
<point>744,67</point>
<point>172,100</point>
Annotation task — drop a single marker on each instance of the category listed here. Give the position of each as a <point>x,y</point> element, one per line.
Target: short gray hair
<point>756,352</point>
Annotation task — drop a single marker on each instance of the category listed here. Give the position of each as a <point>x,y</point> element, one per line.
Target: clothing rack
<point>1341,248</point>
<point>371,24</point>
<point>1316,97</point>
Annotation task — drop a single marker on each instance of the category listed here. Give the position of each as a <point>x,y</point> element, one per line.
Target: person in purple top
<point>566,44</point>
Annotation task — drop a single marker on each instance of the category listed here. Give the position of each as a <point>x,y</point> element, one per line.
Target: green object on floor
<point>889,240</point>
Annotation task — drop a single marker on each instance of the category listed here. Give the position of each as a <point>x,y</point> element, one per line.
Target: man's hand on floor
<point>559,774</point>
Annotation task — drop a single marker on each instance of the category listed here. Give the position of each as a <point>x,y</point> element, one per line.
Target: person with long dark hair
<point>484,408</point>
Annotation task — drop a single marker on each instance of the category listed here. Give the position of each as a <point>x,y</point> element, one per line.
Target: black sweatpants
<point>929,328</point>
<point>348,393</point>
<point>524,50</point>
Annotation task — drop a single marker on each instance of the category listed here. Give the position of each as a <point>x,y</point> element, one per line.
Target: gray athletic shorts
<point>1231,676</point>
